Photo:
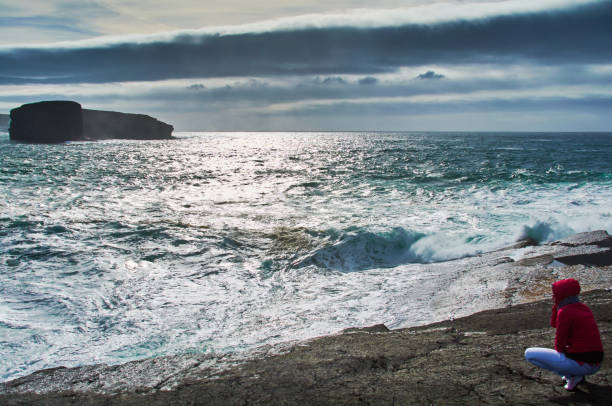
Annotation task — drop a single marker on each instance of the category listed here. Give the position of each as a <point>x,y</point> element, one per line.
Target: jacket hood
<point>565,288</point>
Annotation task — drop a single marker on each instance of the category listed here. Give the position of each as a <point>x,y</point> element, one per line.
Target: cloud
<point>46,23</point>
<point>51,19</point>
<point>552,37</point>
<point>239,103</point>
<point>196,86</point>
<point>330,80</point>
<point>368,80</point>
<point>462,82</point>
<point>359,70</point>
<point>430,75</point>
<point>429,13</point>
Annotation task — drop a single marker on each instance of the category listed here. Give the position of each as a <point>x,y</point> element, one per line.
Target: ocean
<point>224,242</point>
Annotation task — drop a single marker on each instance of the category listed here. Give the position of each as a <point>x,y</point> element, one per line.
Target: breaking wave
<point>361,249</point>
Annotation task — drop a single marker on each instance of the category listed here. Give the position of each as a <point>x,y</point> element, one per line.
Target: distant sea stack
<point>59,121</point>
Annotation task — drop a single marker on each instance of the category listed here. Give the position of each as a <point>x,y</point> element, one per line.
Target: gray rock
<point>591,248</point>
<point>525,242</point>
<point>538,260</point>
<point>586,257</point>
<point>600,238</point>
<point>377,328</point>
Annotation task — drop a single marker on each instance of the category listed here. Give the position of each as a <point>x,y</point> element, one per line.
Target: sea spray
<point>542,231</point>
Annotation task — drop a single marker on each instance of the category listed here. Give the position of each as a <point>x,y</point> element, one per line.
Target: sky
<point>334,65</point>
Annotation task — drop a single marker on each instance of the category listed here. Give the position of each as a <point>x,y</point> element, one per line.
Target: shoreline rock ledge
<point>51,122</point>
<point>472,360</point>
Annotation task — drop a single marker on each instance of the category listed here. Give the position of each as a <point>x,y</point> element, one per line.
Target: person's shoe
<point>572,382</point>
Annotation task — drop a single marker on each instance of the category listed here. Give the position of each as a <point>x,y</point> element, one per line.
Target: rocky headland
<point>101,125</point>
<point>60,121</point>
<point>477,359</point>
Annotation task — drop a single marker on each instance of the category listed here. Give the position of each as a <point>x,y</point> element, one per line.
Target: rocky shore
<point>476,359</point>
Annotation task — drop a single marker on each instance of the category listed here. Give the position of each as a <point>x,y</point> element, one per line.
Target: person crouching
<point>578,350</point>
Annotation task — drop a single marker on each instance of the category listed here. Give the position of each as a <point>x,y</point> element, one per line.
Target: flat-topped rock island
<point>50,122</point>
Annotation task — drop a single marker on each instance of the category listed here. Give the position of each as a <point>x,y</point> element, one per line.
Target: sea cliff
<point>100,125</point>
<point>476,359</point>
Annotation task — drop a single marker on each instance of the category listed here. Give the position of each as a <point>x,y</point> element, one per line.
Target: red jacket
<point>577,333</point>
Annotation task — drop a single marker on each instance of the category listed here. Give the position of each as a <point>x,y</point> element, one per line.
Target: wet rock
<point>601,258</point>
<point>591,248</point>
<point>503,260</point>
<point>525,242</point>
<point>600,238</point>
<point>538,260</point>
<point>377,328</point>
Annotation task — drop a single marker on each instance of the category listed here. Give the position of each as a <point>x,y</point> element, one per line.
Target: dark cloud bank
<point>577,35</point>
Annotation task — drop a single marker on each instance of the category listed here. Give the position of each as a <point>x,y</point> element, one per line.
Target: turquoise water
<point>222,242</point>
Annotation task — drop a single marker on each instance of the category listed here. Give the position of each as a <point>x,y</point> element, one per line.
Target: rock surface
<point>473,360</point>
<point>100,125</point>
<point>60,121</point>
<point>476,359</point>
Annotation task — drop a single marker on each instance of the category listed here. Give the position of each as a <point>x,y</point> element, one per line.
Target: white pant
<point>557,362</point>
